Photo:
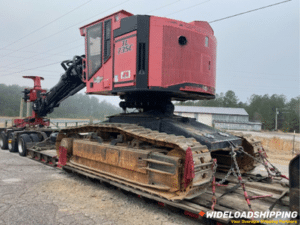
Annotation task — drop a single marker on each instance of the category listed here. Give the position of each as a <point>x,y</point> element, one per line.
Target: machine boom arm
<point>69,84</point>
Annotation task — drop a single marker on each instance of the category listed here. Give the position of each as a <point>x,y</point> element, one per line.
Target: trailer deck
<point>230,198</point>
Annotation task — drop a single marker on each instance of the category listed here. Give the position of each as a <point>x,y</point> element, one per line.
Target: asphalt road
<point>35,194</point>
<point>20,200</point>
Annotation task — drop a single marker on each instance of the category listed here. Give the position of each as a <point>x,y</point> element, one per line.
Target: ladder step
<point>198,148</point>
<point>159,162</point>
<point>157,171</point>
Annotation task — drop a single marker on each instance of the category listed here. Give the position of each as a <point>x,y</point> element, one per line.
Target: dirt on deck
<point>280,148</point>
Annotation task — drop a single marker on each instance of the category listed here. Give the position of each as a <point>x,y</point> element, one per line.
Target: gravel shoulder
<point>33,193</point>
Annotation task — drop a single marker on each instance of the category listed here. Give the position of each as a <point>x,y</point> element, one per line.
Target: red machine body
<point>31,96</point>
<point>128,53</point>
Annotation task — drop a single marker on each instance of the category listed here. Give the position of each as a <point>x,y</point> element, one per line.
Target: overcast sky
<point>257,52</point>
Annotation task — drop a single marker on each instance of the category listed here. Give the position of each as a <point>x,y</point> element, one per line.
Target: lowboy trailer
<point>149,62</point>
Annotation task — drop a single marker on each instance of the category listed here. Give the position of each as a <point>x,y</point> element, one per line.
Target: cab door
<point>125,60</point>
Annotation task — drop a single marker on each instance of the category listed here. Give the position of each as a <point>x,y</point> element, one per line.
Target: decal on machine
<point>125,47</point>
<point>125,74</point>
<point>98,79</point>
<point>116,78</point>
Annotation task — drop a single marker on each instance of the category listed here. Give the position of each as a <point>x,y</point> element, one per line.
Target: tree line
<point>261,108</point>
<point>76,106</point>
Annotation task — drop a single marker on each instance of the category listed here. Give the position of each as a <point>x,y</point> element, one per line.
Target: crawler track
<point>155,159</point>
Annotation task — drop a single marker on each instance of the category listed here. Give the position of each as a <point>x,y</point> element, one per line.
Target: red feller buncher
<point>148,61</point>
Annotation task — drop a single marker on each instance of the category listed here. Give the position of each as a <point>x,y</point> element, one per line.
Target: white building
<point>219,117</point>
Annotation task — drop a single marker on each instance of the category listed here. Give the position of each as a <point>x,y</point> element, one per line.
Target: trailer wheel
<point>12,145</point>
<point>34,138</point>
<point>3,141</point>
<point>23,139</point>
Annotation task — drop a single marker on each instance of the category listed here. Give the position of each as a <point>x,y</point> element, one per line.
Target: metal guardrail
<point>68,124</point>
<point>8,123</point>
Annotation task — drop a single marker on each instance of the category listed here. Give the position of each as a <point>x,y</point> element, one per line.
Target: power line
<point>188,7</point>
<point>66,28</point>
<point>47,71</point>
<point>249,11</point>
<point>42,75</point>
<point>254,73</point>
<point>250,87</point>
<point>20,57</point>
<point>162,7</point>
<point>42,53</point>
<point>30,69</point>
<point>168,14</point>
<point>23,51</point>
<point>47,24</point>
<point>42,58</point>
<point>260,78</point>
<point>57,33</point>
<point>8,69</point>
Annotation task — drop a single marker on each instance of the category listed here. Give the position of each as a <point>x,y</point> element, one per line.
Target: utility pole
<point>293,153</point>
<point>21,108</point>
<point>276,119</point>
<point>28,109</point>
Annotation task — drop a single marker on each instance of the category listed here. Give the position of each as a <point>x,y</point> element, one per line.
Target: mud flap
<point>294,184</point>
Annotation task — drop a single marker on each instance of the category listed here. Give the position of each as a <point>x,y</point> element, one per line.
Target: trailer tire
<point>23,139</point>
<point>13,145</point>
<point>34,138</point>
<point>3,141</point>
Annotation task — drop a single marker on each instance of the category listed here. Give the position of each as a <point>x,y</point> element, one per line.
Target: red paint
<point>261,196</point>
<point>202,213</point>
<point>37,87</point>
<point>283,176</point>
<point>187,213</point>
<point>161,203</point>
<point>189,172</point>
<point>106,70</point>
<point>172,64</point>
<point>190,67</point>
<point>121,14</point>
<point>37,81</point>
<point>62,160</point>
<point>36,122</point>
<point>125,61</point>
<point>125,84</point>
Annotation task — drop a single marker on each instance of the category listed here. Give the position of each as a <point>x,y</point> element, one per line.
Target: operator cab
<point>145,58</point>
